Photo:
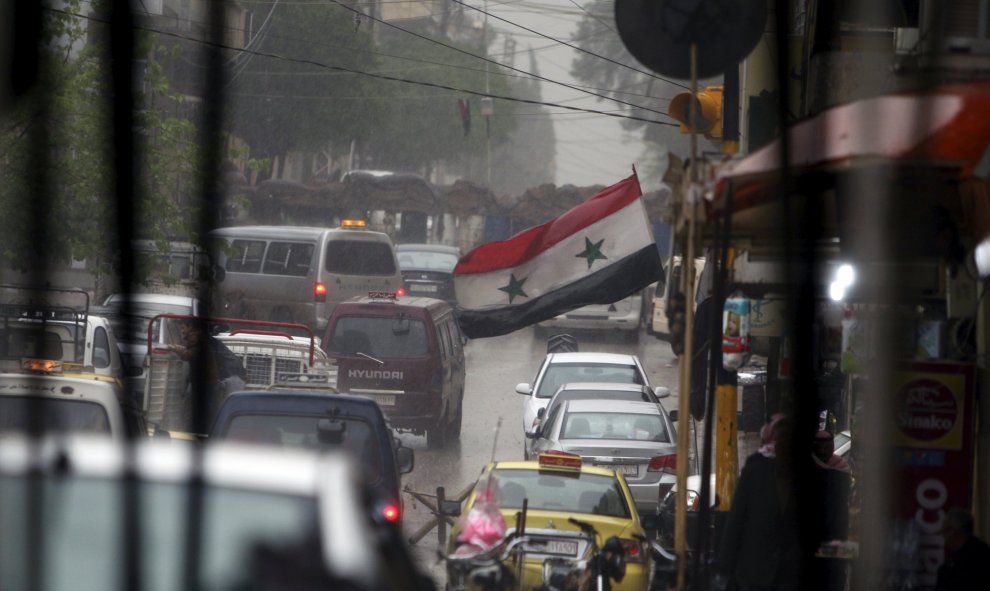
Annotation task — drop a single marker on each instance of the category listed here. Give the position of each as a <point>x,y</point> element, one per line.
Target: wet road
<point>494,367</point>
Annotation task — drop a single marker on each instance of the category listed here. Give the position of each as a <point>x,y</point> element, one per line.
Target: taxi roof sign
<point>353,224</point>
<point>389,296</point>
<point>555,459</point>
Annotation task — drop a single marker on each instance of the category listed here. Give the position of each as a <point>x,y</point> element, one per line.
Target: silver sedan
<point>634,438</point>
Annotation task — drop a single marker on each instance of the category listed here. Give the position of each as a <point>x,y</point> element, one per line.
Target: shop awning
<point>945,129</point>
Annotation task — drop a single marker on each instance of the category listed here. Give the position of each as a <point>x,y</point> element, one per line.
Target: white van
<point>299,274</point>
<point>656,324</point>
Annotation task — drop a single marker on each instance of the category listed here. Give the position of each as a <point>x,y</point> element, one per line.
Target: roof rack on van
<point>37,306</point>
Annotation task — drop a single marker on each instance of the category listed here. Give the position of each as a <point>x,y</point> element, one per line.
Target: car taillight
<point>660,463</point>
<point>320,292</point>
<point>400,292</point>
<point>391,513</point>
<point>633,550</point>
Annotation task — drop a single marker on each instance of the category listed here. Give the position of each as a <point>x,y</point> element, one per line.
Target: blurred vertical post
<point>687,284</point>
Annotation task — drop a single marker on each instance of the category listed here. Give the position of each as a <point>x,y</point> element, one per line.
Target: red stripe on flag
<point>506,254</point>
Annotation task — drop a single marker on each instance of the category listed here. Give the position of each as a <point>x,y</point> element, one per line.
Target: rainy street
<point>494,367</point>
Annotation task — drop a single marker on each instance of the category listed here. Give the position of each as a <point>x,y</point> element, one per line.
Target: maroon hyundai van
<point>407,354</point>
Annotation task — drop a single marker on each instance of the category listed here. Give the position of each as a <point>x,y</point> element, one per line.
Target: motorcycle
<point>605,563</point>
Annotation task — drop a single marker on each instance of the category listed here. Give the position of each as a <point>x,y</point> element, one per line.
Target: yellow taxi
<point>554,488</point>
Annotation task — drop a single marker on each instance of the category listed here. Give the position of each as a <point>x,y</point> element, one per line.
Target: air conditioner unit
<point>960,26</point>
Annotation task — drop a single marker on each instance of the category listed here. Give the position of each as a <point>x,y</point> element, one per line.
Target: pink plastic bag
<point>484,525</point>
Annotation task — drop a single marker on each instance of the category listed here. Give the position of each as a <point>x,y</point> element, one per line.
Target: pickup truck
<point>323,421</point>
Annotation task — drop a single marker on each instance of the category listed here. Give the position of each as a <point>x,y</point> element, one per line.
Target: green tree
<point>294,101</point>
<point>63,131</point>
<point>422,126</point>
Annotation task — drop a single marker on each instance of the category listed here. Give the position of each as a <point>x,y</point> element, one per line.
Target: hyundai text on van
<point>407,354</point>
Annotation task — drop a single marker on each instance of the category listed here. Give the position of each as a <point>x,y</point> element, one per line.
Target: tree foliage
<point>58,182</point>
<point>299,101</point>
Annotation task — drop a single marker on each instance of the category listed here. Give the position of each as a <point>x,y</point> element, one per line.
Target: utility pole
<point>487,108</point>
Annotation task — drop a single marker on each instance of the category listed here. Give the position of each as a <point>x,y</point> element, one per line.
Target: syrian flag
<point>595,253</point>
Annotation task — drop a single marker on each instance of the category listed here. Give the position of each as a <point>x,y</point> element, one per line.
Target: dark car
<point>322,420</point>
<point>428,270</point>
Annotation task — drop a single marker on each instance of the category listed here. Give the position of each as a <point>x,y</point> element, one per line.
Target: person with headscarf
<point>760,547</point>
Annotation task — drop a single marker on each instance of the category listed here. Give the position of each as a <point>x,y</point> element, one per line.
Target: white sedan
<point>563,368</point>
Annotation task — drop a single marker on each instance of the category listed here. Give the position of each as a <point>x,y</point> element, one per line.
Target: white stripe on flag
<point>625,232</point>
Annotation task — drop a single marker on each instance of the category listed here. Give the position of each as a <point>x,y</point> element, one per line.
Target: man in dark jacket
<point>967,556</point>
<point>760,544</point>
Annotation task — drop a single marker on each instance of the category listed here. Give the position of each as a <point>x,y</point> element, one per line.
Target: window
<point>101,348</point>
<point>580,493</point>
<point>395,337</point>
<point>288,258</point>
<point>55,415</point>
<point>357,437</point>
<point>360,257</point>
<point>244,256</point>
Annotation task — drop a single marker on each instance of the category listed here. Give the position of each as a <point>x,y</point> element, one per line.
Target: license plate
<point>625,469</point>
<point>383,399</point>
<point>424,288</point>
<point>561,547</point>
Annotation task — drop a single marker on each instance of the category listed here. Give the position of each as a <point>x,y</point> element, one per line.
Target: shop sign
<point>934,437</point>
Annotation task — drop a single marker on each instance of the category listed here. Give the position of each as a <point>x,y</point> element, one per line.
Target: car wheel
<point>436,436</point>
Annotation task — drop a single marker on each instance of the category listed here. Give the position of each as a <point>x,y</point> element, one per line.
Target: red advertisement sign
<point>935,419</point>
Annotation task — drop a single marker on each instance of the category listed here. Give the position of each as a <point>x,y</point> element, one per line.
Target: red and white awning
<point>947,127</point>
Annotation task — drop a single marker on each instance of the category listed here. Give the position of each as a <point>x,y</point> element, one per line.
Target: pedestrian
<point>828,498</point>
<point>823,452</point>
<point>223,370</point>
<point>967,556</point>
<point>760,548</point>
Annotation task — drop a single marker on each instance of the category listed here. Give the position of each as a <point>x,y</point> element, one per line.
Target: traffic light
<point>708,117</point>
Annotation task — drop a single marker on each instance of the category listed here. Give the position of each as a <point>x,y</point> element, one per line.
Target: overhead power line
<point>566,44</point>
<point>369,74</point>
<point>501,65</point>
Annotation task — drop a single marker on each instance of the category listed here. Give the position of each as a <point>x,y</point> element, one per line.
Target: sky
<point>591,149</point>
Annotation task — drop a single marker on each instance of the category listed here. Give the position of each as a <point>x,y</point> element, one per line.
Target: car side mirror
<point>673,415</point>
<point>533,434</point>
<point>450,508</point>
<point>662,391</point>
<point>542,411</point>
<point>524,388</point>
<point>219,273</point>
<point>405,458</point>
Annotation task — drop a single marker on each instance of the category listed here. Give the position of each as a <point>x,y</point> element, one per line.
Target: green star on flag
<point>514,288</point>
<point>592,251</point>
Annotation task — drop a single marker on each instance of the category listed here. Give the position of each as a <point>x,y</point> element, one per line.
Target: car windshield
<point>354,435</point>
<point>392,337</point>
<point>634,395</point>
<point>81,526</point>
<point>18,413</point>
<point>614,425</point>
<point>567,493</point>
<point>427,261</point>
<point>558,374</point>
